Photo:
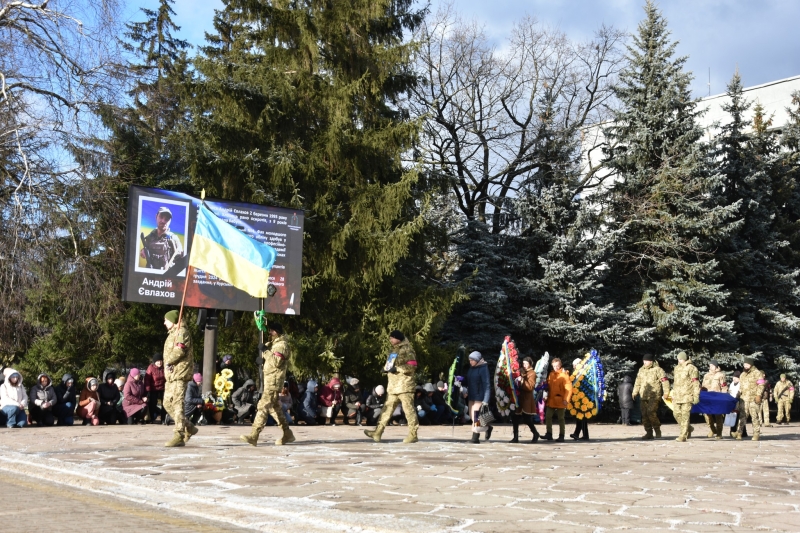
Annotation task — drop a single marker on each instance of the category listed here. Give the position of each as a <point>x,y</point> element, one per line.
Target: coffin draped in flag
<point>712,403</point>
<point>224,251</point>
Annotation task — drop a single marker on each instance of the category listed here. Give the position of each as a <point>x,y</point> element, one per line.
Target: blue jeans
<point>15,417</point>
<point>65,413</point>
<point>287,414</point>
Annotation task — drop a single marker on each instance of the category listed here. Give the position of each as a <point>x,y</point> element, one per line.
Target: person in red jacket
<point>154,383</point>
<point>330,401</point>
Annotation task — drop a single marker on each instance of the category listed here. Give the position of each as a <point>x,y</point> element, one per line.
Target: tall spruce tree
<point>299,104</point>
<point>761,283</point>
<point>664,272</point>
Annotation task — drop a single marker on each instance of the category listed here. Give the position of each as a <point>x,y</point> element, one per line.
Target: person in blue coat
<point>478,392</point>
<point>310,409</point>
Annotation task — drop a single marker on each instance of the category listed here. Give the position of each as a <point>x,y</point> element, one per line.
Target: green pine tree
<point>761,283</point>
<point>664,272</point>
<point>300,105</point>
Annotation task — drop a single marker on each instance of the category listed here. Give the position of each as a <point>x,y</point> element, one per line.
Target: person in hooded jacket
<point>109,397</point>
<point>154,383</point>
<point>478,392</point>
<point>66,394</point>
<point>134,402</point>
<point>42,400</point>
<point>625,395</point>
<point>13,400</point>
<point>244,400</point>
<point>89,402</point>
<point>375,403</point>
<point>193,401</point>
<point>310,408</point>
<point>330,401</point>
<point>354,406</point>
<point>444,415</point>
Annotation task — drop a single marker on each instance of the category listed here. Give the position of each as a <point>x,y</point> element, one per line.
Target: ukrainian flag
<point>222,250</point>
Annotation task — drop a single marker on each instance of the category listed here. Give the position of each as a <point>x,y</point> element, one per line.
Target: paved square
<point>335,479</point>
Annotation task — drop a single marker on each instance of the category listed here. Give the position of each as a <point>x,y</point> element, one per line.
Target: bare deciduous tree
<point>484,107</point>
<point>57,61</point>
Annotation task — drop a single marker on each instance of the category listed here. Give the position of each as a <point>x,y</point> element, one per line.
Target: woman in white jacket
<point>13,400</point>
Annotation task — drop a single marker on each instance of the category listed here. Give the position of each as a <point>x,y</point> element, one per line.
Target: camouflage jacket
<point>162,249</point>
<point>715,381</point>
<point>178,357</point>
<point>686,387</point>
<point>651,383</point>
<point>402,382</point>
<point>752,384</point>
<point>276,361</point>
<point>784,390</point>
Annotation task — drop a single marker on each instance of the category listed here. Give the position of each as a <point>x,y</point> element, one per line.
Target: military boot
<point>658,432</point>
<point>757,436</point>
<point>190,431</point>
<point>286,438</point>
<point>177,440</point>
<point>711,434</point>
<point>691,428</point>
<point>252,438</point>
<point>681,439</point>
<point>412,437</point>
<point>736,435</point>
<point>374,434</point>
<point>648,435</point>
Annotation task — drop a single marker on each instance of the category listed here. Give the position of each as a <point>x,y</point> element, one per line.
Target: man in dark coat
<point>66,394</point>
<point>354,406</point>
<point>625,395</point>
<point>309,410</point>
<point>244,400</point>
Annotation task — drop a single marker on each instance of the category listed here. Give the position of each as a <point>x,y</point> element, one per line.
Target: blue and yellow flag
<point>222,250</point>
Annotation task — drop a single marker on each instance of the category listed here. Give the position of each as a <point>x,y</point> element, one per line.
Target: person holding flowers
<point>526,408</point>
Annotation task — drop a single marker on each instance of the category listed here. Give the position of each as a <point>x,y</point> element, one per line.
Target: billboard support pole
<point>260,381</point>
<point>210,351</point>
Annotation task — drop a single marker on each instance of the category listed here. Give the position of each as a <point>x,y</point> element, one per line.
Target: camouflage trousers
<point>764,413</point>
<point>650,419</point>
<point>784,406</point>
<point>174,395</point>
<point>751,409</point>
<point>715,423</point>
<point>683,412</point>
<point>269,405</point>
<point>407,401</point>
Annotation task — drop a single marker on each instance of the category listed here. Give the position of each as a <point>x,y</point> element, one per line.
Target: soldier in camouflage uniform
<point>179,361</point>
<point>276,360</point>
<point>652,385</point>
<point>161,246</point>
<point>751,387</point>
<point>714,381</point>
<point>783,395</point>
<point>685,394</point>
<point>400,389</point>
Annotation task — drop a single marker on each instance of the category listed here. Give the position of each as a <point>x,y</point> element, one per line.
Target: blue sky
<point>760,36</point>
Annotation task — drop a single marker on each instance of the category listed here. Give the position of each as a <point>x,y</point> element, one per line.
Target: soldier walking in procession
<point>400,389</point>
<point>685,394</point>
<point>714,381</point>
<point>652,385</point>
<point>179,363</point>
<point>276,360</point>
<point>783,394</point>
<point>751,388</point>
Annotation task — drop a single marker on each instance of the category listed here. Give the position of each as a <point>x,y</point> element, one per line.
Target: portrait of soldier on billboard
<point>161,248</point>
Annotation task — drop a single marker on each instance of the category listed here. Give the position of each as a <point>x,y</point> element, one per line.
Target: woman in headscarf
<point>89,403</point>
<point>134,402</point>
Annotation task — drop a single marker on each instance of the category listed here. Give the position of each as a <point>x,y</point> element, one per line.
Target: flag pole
<point>188,271</point>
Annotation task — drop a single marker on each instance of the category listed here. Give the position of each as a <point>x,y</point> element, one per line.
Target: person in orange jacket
<point>558,395</point>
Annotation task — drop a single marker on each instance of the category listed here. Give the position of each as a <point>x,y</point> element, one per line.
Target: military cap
<point>162,210</point>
